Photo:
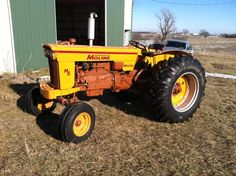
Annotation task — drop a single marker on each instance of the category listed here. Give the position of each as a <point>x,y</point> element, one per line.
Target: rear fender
<point>175,52</point>
<point>165,55</point>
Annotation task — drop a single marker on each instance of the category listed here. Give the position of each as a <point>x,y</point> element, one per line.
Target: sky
<point>216,19</point>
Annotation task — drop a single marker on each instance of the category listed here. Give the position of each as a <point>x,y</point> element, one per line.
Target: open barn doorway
<point>72,20</point>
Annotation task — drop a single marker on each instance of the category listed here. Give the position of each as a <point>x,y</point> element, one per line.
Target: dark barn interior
<point>72,20</point>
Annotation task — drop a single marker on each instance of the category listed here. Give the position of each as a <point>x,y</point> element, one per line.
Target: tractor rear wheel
<point>177,89</point>
<point>76,122</point>
<point>36,104</point>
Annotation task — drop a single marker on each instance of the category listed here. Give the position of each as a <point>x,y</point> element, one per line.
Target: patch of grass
<point>214,45</point>
<point>124,141</point>
<point>218,63</point>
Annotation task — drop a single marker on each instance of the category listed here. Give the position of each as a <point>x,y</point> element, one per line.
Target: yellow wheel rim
<point>180,91</point>
<point>185,92</point>
<point>81,124</point>
<point>44,106</point>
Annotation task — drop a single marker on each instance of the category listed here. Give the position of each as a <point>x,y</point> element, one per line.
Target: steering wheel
<point>137,45</point>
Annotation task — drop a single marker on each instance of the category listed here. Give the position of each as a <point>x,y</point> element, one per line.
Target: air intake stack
<point>91,27</point>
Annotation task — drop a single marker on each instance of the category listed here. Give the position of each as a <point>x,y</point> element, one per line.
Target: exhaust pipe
<point>91,27</point>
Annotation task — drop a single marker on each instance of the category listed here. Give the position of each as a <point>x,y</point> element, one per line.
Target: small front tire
<point>36,104</point>
<point>76,122</point>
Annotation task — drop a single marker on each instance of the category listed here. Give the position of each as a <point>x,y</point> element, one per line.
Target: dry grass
<point>214,44</point>
<point>220,63</point>
<point>217,54</point>
<point>125,141</point>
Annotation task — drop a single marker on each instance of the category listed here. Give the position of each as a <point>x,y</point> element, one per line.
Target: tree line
<point>166,25</point>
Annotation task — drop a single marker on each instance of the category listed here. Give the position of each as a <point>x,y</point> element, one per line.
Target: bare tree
<point>166,23</point>
<point>185,31</point>
<point>204,33</point>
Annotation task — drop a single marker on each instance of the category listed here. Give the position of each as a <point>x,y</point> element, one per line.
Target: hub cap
<point>185,92</point>
<point>44,106</point>
<point>81,124</point>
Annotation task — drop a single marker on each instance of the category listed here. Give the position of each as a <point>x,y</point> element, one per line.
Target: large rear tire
<point>177,89</point>
<point>76,122</point>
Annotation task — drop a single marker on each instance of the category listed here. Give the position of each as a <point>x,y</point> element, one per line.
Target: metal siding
<point>115,22</point>
<point>33,24</point>
<point>7,55</point>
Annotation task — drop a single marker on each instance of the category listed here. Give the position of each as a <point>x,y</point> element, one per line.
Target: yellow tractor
<point>174,80</point>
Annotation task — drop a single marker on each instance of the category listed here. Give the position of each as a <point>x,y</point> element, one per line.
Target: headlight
<point>49,53</point>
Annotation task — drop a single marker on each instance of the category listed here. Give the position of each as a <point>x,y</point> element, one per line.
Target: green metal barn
<point>29,23</point>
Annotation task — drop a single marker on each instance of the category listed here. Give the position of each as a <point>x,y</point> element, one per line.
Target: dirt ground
<point>126,141</point>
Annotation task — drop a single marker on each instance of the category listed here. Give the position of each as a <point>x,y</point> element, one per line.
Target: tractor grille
<point>54,73</point>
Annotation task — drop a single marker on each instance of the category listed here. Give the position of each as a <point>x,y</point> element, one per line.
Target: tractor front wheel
<point>36,104</point>
<point>177,89</point>
<point>76,122</point>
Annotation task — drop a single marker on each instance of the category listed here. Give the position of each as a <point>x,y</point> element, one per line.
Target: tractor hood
<point>57,48</point>
<point>84,53</point>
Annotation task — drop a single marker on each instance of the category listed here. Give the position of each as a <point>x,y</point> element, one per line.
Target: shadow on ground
<point>22,90</point>
<point>136,106</point>
<point>47,122</point>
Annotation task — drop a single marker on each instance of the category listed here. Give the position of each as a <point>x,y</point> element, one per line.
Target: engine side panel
<point>80,53</point>
<point>94,78</point>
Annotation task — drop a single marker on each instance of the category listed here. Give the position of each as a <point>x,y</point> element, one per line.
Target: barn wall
<point>33,24</point>
<point>128,12</point>
<point>115,22</point>
<point>7,57</point>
